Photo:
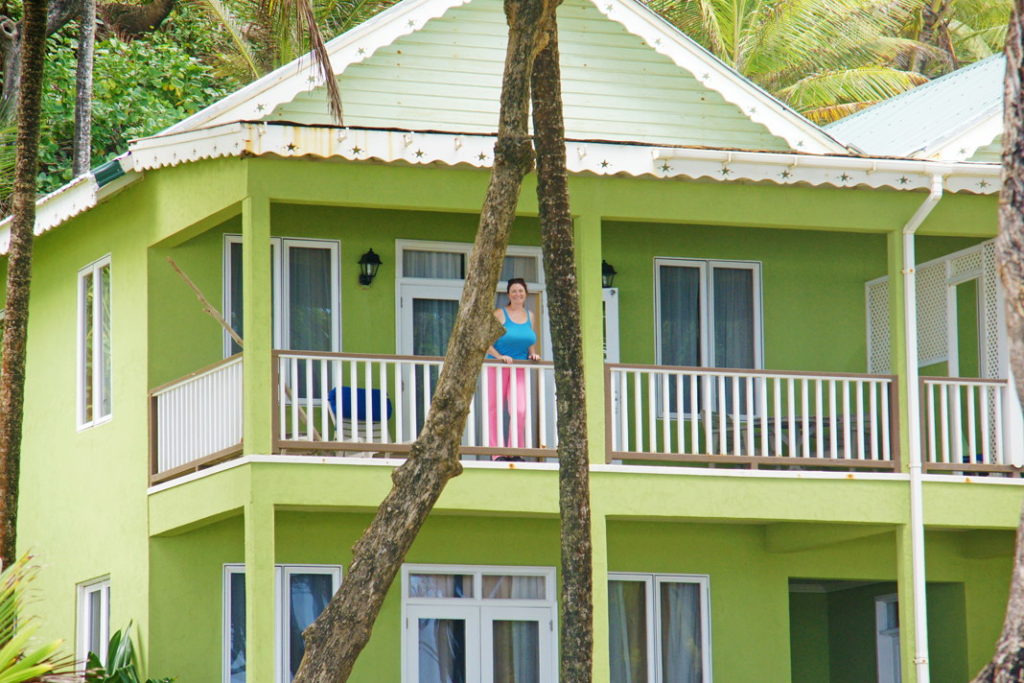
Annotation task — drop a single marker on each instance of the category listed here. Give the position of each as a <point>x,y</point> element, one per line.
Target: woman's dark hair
<point>516,281</point>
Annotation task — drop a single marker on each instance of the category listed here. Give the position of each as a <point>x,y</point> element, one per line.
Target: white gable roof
<point>948,119</point>
<point>436,65</point>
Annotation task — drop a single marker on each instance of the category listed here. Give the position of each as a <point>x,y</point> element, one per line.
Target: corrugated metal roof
<point>923,118</point>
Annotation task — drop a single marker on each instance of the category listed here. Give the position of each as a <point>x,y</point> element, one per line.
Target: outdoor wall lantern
<point>368,265</point>
<point>608,274</point>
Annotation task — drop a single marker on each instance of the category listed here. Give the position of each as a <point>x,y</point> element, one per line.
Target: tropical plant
<point>18,662</point>
<point>122,665</point>
<point>959,32</point>
<point>825,58</point>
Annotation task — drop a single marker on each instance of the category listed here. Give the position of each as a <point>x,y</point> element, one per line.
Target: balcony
<point>361,405</point>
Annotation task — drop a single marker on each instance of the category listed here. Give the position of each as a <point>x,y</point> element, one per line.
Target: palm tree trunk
<point>82,152</point>
<point>576,600</point>
<point>1007,665</point>
<point>335,639</point>
<point>19,269</point>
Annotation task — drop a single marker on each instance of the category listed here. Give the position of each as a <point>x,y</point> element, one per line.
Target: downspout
<point>914,437</point>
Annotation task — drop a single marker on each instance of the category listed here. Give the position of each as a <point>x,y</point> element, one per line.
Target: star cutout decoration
<point>608,7</point>
<point>481,156</point>
<point>310,79</point>
<point>752,110</point>
<point>726,170</point>
<point>357,151</point>
<point>292,147</point>
<point>419,153</point>
<point>362,50</point>
<point>260,107</point>
<point>904,180</point>
<point>963,151</point>
<point>983,184</point>
<point>412,24</point>
<point>665,167</point>
<point>785,174</point>
<point>799,143</point>
<point>604,164</point>
<point>844,177</point>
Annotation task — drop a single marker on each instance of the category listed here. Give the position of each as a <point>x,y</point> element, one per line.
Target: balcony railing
<point>752,417</point>
<point>364,405</point>
<point>361,404</point>
<point>197,420</point>
<point>964,425</point>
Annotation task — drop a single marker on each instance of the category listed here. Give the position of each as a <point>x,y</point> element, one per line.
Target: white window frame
<point>282,611</point>
<point>85,617</point>
<point>652,602</point>
<point>408,288</point>
<point>479,611</point>
<point>707,340</point>
<point>92,272</point>
<point>279,248</point>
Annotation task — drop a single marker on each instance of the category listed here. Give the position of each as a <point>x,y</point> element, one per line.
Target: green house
<point>805,450</point>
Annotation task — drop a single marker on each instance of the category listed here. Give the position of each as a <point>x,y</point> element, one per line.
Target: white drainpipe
<point>914,437</point>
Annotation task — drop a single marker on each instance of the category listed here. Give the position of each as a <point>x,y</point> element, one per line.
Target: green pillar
<point>898,341</point>
<point>588,265</point>
<point>257,326</point>
<point>905,589</point>
<point>599,543</point>
<point>259,592</point>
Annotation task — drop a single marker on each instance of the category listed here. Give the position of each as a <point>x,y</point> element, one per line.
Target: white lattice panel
<point>877,292</point>
<point>991,303</point>
<point>932,345</point>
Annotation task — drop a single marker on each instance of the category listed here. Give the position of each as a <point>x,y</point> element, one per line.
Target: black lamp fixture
<point>368,265</point>
<point>608,274</point>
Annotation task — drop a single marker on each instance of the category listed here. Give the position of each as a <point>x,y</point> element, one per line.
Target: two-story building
<point>804,446</point>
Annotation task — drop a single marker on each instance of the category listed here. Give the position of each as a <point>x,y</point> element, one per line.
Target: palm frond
<point>850,86</point>
<point>225,18</point>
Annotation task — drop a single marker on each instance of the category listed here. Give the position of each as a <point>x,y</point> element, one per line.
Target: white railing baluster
<point>872,428</point>
<point>666,430</point>
<point>957,425</point>
<point>722,433</point>
<point>748,384</point>
<point>944,423</point>
<point>988,420</point>
<point>705,392</point>
<point>819,430</point>
<point>652,414</point>
<point>972,437</point>
<point>779,383</point>
<point>681,413</point>
<point>805,420</point>
<point>638,438</point>
<point>997,423</point>
<point>323,401</point>
<point>383,402</point>
<point>762,410</point>
<point>833,433</point>
<point>884,419</point>
<point>737,445</point>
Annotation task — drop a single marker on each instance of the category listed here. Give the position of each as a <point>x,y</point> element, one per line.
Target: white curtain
<point>627,631</point>
<point>442,651</point>
<point>442,265</point>
<point>681,659</point>
<point>310,309</point>
<point>519,266</point>
<point>308,595</point>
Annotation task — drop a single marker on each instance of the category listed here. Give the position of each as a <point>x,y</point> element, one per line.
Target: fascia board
<point>756,104</point>
<point>282,85</point>
<point>599,158</point>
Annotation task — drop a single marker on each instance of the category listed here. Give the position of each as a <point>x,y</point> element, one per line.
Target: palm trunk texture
<point>575,605</point>
<point>1007,666</point>
<point>82,152</point>
<point>19,271</point>
<point>335,639</point>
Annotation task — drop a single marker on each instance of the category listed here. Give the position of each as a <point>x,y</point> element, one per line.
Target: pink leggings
<point>498,403</point>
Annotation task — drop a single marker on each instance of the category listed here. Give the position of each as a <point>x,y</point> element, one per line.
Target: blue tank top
<point>517,340</point>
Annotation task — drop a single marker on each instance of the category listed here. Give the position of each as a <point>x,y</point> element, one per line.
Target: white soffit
<point>260,98</point>
<point>599,158</point>
<point>964,145</point>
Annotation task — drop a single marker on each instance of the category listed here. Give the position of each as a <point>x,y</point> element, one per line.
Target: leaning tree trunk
<point>1007,666</point>
<point>19,270</point>
<point>556,229</point>
<point>335,639</point>
<point>82,151</point>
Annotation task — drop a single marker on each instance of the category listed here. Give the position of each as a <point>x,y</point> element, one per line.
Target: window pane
<point>734,317</point>
<point>308,594</point>
<point>516,651</point>
<point>680,315</point>
<point>309,299</point>
<point>627,631</point>
<point>87,347</point>
<point>442,265</point>
<point>104,328</point>
<point>236,303</point>
<point>432,320</point>
<point>514,587</point>
<point>442,651</point>
<point>519,266</point>
<point>95,617</point>
<point>440,586</point>
<point>681,646</point>
<point>236,627</point>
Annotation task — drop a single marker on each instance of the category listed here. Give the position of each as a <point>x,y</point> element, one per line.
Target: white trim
<point>279,249</point>
<point>479,611</point>
<point>652,603</point>
<point>610,322</point>
<point>282,610</point>
<point>92,274</point>
<point>965,144</point>
<point>85,616</point>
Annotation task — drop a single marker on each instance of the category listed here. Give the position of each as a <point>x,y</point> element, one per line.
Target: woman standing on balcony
<point>518,343</point>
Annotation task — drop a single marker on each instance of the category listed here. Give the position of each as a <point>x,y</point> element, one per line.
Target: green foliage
<point>19,663</point>
<point>122,665</point>
<point>140,87</point>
